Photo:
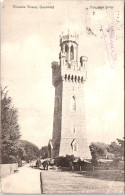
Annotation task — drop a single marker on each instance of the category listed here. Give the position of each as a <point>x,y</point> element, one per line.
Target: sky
<point>30,43</point>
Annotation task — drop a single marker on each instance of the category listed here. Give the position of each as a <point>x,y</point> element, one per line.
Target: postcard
<point>62,96</point>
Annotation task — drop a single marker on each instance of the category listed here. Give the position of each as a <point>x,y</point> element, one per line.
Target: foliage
<point>29,150</point>
<point>113,148</point>
<point>121,146</point>
<point>117,148</point>
<point>10,130</point>
<point>13,149</point>
<point>64,161</point>
<point>98,149</point>
<point>44,152</point>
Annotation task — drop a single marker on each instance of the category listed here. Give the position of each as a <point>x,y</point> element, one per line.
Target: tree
<point>117,148</point>
<point>98,148</point>
<point>121,143</point>
<point>10,130</point>
<point>44,152</point>
<point>30,150</point>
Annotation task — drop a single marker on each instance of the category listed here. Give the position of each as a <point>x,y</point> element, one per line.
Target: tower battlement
<point>67,38</point>
<point>68,73</point>
<point>69,64</point>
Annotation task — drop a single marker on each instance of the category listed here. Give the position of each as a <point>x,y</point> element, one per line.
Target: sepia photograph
<point>62,97</point>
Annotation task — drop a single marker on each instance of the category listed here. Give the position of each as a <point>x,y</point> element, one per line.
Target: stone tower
<point>68,77</point>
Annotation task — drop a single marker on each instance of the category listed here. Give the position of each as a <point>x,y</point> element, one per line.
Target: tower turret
<point>69,49</point>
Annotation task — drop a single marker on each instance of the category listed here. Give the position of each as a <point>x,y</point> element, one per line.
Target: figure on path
<point>38,163</point>
<point>45,164</point>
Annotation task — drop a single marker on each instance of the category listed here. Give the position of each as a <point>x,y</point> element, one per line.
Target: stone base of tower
<point>53,148</point>
<point>77,147</point>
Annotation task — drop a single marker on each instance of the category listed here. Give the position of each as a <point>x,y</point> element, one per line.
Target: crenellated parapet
<point>68,73</point>
<point>69,38</point>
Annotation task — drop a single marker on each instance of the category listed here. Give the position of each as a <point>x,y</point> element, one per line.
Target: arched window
<point>72,53</point>
<point>75,78</point>
<point>66,51</point>
<point>65,76</point>
<point>82,79</point>
<point>75,147</point>
<point>73,103</point>
<point>62,48</point>
<point>66,48</point>
<point>69,65</point>
<point>78,79</point>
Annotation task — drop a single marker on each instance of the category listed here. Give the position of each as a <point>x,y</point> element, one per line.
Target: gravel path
<point>27,180</point>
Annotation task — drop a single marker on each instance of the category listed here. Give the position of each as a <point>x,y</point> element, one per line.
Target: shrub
<point>64,161</point>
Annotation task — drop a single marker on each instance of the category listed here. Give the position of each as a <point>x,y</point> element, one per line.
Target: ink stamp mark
<point>110,46</point>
